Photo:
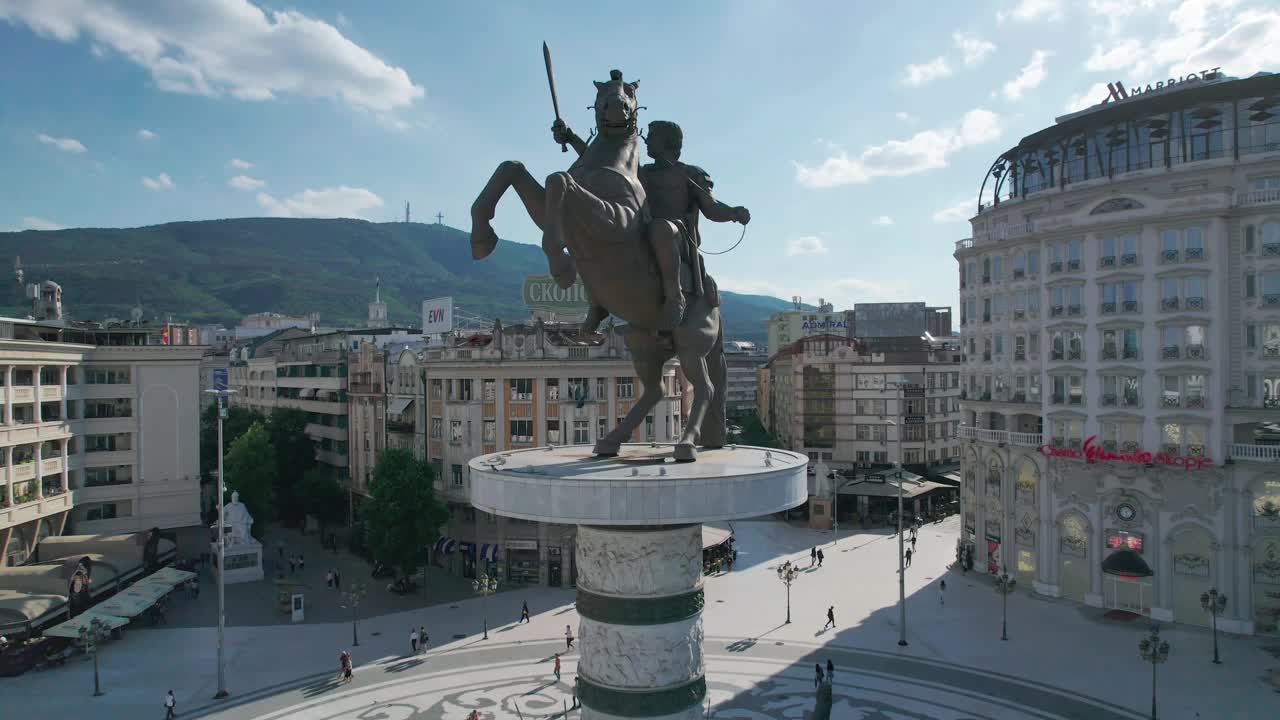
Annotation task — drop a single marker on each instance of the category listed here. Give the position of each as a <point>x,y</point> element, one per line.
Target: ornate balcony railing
<point>1170,352</point>
<point>996,437</point>
<point>1194,253</point>
<point>1109,353</point>
<point>1195,352</point>
<point>1255,453</point>
<point>1129,306</point>
<point>1108,399</point>
<point>1055,267</point>
<point>1107,308</point>
<point>1107,261</point>
<point>1169,256</point>
<point>1194,303</point>
<point>1129,259</point>
<point>1169,304</point>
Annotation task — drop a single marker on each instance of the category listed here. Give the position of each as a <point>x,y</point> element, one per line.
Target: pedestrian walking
<point>813,556</point>
<point>557,668</point>
<point>913,541</point>
<point>302,563</point>
<point>337,580</point>
<point>328,579</point>
<point>524,612</point>
<point>413,640</point>
<point>820,557</point>
<point>817,675</point>
<point>292,564</point>
<point>423,637</point>
<point>831,617</point>
<point>344,660</point>
<point>908,556</point>
<point>575,691</point>
<point>170,706</point>
<point>942,593</point>
<point>568,638</point>
<point>831,671</point>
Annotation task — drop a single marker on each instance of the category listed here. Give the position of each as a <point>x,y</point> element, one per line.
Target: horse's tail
<point>714,423</point>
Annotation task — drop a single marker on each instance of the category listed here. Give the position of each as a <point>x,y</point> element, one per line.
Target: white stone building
<point>521,387</point>
<point>1120,319</point>
<point>99,433</point>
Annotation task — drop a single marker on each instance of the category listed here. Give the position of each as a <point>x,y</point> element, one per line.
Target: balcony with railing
<point>1106,261</point>
<point>1169,303</point>
<point>1271,300</point>
<point>1169,256</point>
<point>1252,453</point>
<point>1195,351</point>
<point>1193,303</point>
<point>1195,254</point>
<point>1170,352</point>
<point>1075,310</point>
<point>1130,306</point>
<point>1270,249</point>
<point>1258,197</point>
<point>1107,308</point>
<point>1001,437</point>
<point>1129,259</point>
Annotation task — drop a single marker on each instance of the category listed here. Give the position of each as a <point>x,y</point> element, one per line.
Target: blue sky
<point>857,133</point>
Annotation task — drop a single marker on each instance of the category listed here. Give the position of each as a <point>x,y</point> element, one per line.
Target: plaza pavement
<point>1061,661</point>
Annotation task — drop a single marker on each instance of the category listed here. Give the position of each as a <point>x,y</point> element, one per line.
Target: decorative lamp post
<point>1004,586</point>
<point>485,585</point>
<point>1214,602</point>
<point>902,570</point>
<point>221,393</point>
<point>787,574</point>
<point>351,599</point>
<point>91,636</point>
<point>1155,651</point>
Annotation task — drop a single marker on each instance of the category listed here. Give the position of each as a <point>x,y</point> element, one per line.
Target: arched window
<point>1028,479</point>
<point>995,474</point>
<point>1270,233</point>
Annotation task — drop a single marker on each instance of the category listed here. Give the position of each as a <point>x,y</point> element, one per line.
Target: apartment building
<point>1120,314</point>
<point>519,387</point>
<point>99,434</point>
<point>742,360</point>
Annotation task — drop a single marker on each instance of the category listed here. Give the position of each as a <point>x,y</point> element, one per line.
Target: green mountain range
<point>215,271</point>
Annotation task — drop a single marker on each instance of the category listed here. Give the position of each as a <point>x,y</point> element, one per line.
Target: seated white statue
<point>238,522</point>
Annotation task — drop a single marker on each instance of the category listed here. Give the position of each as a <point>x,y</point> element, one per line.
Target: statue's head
<point>616,105</point>
<point>665,140</point>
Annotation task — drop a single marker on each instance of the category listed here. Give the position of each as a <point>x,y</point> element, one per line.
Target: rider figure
<point>675,192</point>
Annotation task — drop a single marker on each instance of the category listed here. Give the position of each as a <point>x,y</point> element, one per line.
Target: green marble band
<point>639,611</point>
<point>641,703</point>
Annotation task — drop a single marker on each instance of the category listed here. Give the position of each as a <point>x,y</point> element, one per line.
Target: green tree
<point>250,465</point>
<point>323,496</point>
<point>238,421</point>
<point>753,433</point>
<point>295,457</point>
<point>402,516</point>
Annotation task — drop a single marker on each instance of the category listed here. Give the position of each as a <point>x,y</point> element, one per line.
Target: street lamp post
<point>91,636</point>
<point>485,585</point>
<point>1155,651</point>
<point>351,599</point>
<point>1214,602</point>
<point>1004,586</point>
<point>787,574</point>
<point>902,570</point>
<point>220,391</point>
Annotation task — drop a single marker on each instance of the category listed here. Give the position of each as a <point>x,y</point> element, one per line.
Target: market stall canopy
<point>71,628</point>
<point>713,536</point>
<point>123,605</point>
<point>889,488</point>
<point>168,576</point>
<point>146,592</point>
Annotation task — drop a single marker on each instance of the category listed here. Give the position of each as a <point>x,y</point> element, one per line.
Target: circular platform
<point>643,485</point>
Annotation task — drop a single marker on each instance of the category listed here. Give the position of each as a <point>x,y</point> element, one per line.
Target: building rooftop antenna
<point>406,212</point>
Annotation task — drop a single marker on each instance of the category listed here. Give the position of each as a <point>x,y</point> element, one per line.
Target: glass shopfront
<point>523,564</point>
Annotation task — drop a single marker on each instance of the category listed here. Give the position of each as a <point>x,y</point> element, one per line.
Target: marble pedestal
<point>639,555</point>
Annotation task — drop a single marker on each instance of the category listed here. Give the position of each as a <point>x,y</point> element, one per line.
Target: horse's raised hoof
<point>685,452</point>
<point>606,449</point>
<point>483,239</point>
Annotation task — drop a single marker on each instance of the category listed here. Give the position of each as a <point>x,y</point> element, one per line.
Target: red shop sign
<point>1092,453</point>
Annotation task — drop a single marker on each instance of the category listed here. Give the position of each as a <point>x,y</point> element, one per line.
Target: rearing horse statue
<point>595,223</point>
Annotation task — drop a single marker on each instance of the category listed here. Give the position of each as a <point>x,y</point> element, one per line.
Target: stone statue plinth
<point>639,554</point>
<point>243,560</point>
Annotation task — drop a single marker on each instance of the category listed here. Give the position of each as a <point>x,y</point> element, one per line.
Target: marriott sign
<point>1116,90</point>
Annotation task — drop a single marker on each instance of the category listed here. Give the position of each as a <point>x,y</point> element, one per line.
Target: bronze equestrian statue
<point>635,245</point>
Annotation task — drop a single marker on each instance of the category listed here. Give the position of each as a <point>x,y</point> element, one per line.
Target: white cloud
<point>1031,75</point>
<point>159,182</point>
<point>1094,95</point>
<point>972,48</point>
<point>1252,44</point>
<point>917,75</point>
<point>906,117</point>
<point>882,220</point>
<point>239,164</point>
<point>343,21</point>
<point>226,47</point>
<point>341,201</point>
<point>244,182</point>
<point>32,222</point>
<point>959,212</point>
<point>63,144</point>
<point>1028,10</point>
<point>806,245</point>
<point>145,134</point>
<point>926,150</point>
<point>1120,56</point>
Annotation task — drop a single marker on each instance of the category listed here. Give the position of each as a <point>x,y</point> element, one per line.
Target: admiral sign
<point>1117,91</point>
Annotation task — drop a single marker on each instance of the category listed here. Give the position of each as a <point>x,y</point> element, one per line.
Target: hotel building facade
<point>1120,324</point>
